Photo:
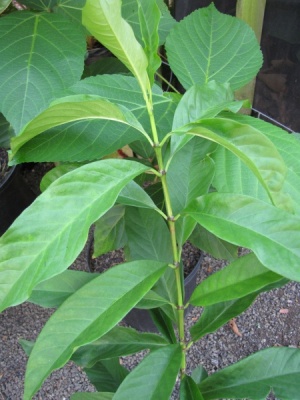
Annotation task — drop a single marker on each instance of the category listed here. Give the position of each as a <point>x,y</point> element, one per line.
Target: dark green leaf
<point>6,132</point>
<point>154,377</point>
<point>92,396</point>
<point>189,389</point>
<point>273,369</point>
<point>164,324</point>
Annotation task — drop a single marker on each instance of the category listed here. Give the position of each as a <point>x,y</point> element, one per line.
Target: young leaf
<point>271,233</point>
<point>29,62</point>
<point>273,369</point>
<point>118,342</point>
<point>154,377</point>
<point>244,276</point>
<point>72,109</point>
<point>104,21</point>
<point>189,390</point>
<point>68,208</point>
<point>198,49</point>
<point>107,375</point>
<point>87,315</point>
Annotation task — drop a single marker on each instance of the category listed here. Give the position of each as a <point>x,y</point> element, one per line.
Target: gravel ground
<point>273,320</point>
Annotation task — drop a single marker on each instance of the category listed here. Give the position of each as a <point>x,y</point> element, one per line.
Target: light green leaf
<point>215,316</point>
<point>154,377</point>
<point>56,173</point>
<point>183,174</point>
<point>30,254</point>
<point>134,195</point>
<point>189,389</point>
<point>252,147</point>
<point>72,109</point>
<point>184,228</point>
<point>106,375</point>
<point>152,300</point>
<point>4,4</point>
<point>149,17</point>
<point>54,291</point>
<point>92,396</point>
<point>199,374</point>
<point>242,277</point>
<point>109,231</point>
<point>271,233</point>
<point>103,19</point>
<point>77,323</point>
<point>218,248</point>
<point>208,45</point>
<point>29,62</point>
<point>118,342</point>
<point>274,369</point>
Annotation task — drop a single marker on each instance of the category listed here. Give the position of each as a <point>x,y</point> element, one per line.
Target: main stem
<point>172,229</point>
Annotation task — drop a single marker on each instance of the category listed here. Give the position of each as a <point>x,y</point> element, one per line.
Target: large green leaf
<point>189,389</point>
<point>33,69</point>
<point>104,20</point>
<point>271,233</point>
<point>273,369</point>
<point>251,146</point>
<point>75,145</point>
<point>242,277</point>
<point>106,375</point>
<point>208,45</point>
<point>134,195</point>
<point>49,234</point>
<point>154,377</point>
<point>118,342</point>
<point>87,315</point>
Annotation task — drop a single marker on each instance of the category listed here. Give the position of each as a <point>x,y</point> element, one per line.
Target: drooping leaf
<point>29,62</point>
<point>218,248</point>
<point>189,389</point>
<point>92,396</point>
<point>198,49</point>
<point>54,291</point>
<point>273,369</point>
<point>252,147</point>
<point>30,254</point>
<point>154,377</point>
<point>78,146</point>
<point>271,233</point>
<point>104,20</point>
<point>242,277</point>
<point>164,324</point>
<point>118,342</point>
<point>87,315</point>
<point>106,375</point>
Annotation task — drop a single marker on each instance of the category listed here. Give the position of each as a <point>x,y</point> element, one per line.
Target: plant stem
<point>172,229</point>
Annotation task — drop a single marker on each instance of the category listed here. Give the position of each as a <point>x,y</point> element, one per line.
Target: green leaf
<point>118,342</point>
<point>92,396</point>
<point>54,291</point>
<point>103,20</point>
<point>87,315</point>
<point>149,17</point>
<point>164,324</point>
<point>106,375</point>
<point>134,195</point>
<point>215,316</point>
<point>198,49</point>
<point>3,5</point>
<point>6,132</point>
<point>251,146</point>
<point>273,369</point>
<point>189,390</point>
<point>31,62</point>
<point>30,254</point>
<point>242,277</point>
<point>72,109</point>
<point>271,233</point>
<point>56,173</point>
<point>109,231</point>
<point>152,300</point>
<point>213,245</point>
<point>199,374</point>
<point>105,65</point>
<point>154,377</point>
<point>183,175</point>
<point>205,101</point>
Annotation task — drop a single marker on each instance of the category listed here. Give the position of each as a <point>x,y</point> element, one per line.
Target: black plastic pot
<point>15,196</point>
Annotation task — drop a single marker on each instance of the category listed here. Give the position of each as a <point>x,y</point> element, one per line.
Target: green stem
<point>172,229</point>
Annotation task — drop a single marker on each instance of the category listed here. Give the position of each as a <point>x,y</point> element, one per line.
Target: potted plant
<point>199,171</point>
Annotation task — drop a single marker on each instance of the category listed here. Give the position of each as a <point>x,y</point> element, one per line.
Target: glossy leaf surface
<point>31,72</point>
<point>68,208</point>
<point>149,383</point>
<point>87,315</point>
<point>208,45</point>
<point>273,369</point>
